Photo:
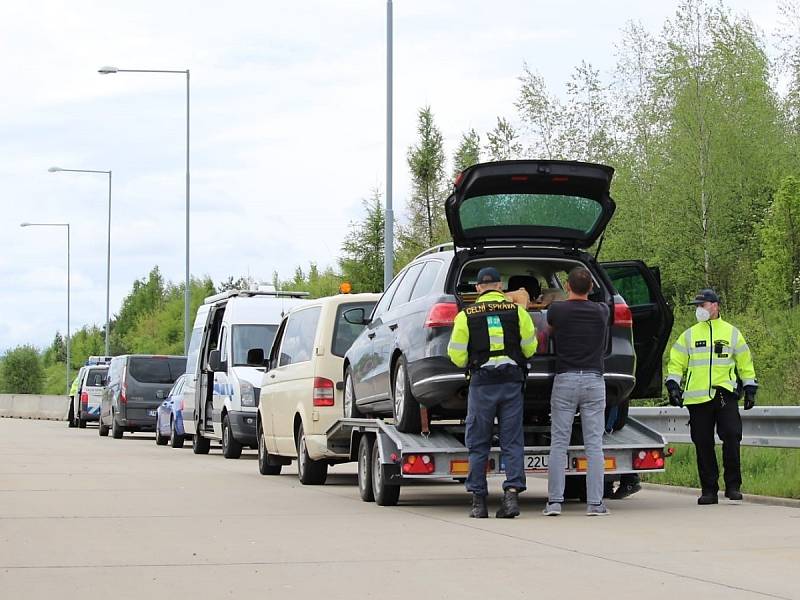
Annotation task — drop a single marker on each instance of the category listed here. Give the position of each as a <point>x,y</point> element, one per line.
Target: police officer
<point>493,338</point>
<point>712,355</point>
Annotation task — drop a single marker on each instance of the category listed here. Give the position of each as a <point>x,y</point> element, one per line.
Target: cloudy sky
<point>288,126</point>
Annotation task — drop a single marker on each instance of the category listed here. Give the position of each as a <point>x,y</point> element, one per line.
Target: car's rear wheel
<point>365,468</point>
<point>81,421</point>
<point>310,472</point>
<point>116,428</point>
<point>406,408</point>
<point>385,494</point>
<point>349,404</point>
<point>175,440</point>
<point>265,466</point>
<point>102,430</point>
<point>230,447</point>
<point>161,440</point>
<point>622,415</point>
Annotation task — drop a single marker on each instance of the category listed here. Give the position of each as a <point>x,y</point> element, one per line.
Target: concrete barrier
<point>34,406</point>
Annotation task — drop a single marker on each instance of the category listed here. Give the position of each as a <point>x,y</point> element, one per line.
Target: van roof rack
<point>438,248</point>
<point>250,293</point>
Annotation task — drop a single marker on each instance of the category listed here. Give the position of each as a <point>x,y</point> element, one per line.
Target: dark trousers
<point>495,393</point>
<point>723,413</point>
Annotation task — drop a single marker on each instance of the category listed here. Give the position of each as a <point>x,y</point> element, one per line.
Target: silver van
<point>137,384</point>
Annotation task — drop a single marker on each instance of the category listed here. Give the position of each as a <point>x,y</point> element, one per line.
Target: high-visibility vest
<point>492,332</point>
<point>710,355</point>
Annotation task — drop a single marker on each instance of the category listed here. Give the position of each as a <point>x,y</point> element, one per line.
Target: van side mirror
<point>255,357</point>
<point>356,316</point>
<point>214,362</point>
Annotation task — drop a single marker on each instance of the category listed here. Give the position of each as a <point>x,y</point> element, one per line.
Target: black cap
<point>705,295</point>
<point>488,275</point>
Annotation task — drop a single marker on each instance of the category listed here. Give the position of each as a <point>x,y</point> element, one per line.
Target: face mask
<point>701,314</point>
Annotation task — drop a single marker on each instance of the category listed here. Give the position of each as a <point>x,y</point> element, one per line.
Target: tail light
<point>442,314</point>
<point>648,459</point>
<point>123,394</point>
<point>323,392</point>
<point>418,464</point>
<point>622,315</point>
<point>84,397</point>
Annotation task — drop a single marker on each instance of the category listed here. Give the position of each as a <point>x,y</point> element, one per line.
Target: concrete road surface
<point>89,517</point>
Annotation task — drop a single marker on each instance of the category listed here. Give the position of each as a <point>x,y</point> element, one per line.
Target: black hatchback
<point>533,221</point>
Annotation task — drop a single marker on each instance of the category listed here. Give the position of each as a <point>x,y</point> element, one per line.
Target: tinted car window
<point>383,303</point>
<point>247,337</point>
<point>344,333</point>
<point>630,285</point>
<point>298,338</point>
<point>156,370</point>
<point>426,278</point>
<point>403,292</point>
<point>96,377</point>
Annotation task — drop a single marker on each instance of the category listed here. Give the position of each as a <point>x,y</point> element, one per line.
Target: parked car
<point>301,393</point>
<point>233,332</point>
<point>90,394</point>
<point>534,221</point>
<point>137,384</point>
<point>75,389</point>
<point>169,417</point>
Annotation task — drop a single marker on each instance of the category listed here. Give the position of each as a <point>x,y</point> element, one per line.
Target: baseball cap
<point>488,275</point>
<point>705,295</point>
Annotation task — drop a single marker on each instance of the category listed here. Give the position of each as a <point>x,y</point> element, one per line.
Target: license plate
<point>151,413</point>
<point>536,462</point>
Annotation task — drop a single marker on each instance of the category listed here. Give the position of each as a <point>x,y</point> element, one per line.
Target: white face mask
<point>701,314</point>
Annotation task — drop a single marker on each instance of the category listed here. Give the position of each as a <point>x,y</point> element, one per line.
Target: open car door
<point>640,286</point>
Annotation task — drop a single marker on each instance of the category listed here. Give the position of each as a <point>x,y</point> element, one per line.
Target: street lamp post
<point>388,236</point>
<point>186,295</point>
<point>26,224</point>
<point>108,246</point>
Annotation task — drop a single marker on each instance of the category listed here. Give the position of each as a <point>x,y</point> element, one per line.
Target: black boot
<point>509,507</point>
<point>708,498</point>
<point>733,495</point>
<point>479,510</point>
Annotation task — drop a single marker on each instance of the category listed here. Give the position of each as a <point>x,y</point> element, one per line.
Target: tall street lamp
<point>26,224</point>
<point>388,235</point>
<point>186,295</point>
<point>108,247</point>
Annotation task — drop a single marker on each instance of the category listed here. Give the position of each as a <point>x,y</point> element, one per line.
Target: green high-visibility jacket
<point>459,339</point>
<point>710,355</point>
<point>74,388</point>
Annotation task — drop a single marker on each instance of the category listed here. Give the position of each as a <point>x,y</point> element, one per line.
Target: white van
<point>232,333</point>
<point>301,395</point>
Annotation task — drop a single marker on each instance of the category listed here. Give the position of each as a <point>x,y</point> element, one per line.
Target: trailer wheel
<point>349,405</point>
<point>230,447</point>
<point>365,468</point>
<point>385,494</point>
<point>405,406</point>
<point>71,414</point>
<point>264,465</point>
<point>175,440</point>
<point>310,472</point>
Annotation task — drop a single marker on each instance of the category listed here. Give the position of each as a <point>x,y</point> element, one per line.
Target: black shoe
<point>625,489</point>
<point>708,498</point>
<point>733,494</point>
<point>509,507</point>
<point>479,510</point>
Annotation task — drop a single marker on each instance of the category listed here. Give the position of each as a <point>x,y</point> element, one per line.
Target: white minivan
<point>301,393</point>
<point>232,334</point>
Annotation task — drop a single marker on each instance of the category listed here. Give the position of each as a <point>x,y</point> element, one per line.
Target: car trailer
<point>387,458</point>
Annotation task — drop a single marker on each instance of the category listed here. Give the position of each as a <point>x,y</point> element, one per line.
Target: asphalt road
<point>84,517</point>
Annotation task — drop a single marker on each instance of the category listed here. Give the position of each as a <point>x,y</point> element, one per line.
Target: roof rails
<point>250,293</point>
<point>440,248</point>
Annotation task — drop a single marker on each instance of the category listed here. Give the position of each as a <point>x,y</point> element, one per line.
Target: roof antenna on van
<point>599,245</point>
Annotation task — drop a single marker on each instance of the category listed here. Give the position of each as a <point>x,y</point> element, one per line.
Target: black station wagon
<point>534,221</point>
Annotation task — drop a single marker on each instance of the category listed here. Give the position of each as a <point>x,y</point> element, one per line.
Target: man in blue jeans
<point>580,329</point>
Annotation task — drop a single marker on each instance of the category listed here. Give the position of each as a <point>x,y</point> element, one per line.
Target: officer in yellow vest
<point>709,359</point>
<point>493,338</point>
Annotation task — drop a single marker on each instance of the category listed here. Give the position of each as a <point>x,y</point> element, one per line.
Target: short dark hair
<point>580,280</point>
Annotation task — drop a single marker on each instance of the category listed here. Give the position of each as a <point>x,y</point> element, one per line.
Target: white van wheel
<point>230,447</point>
<point>310,472</point>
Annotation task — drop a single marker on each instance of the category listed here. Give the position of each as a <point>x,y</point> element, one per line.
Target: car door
<point>271,388</point>
<point>640,286</point>
<point>193,368</point>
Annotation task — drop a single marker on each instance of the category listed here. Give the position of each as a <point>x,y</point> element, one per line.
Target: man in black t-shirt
<point>580,329</point>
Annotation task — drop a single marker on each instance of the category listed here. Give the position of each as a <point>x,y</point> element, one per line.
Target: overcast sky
<point>287,124</point>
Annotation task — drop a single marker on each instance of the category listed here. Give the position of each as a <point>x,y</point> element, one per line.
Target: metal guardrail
<point>769,426</point>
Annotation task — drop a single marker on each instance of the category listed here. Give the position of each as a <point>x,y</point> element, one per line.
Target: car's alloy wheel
<point>175,440</point>
<point>406,409</point>
<point>349,404</point>
<point>310,472</point>
<point>230,447</point>
<point>264,466</point>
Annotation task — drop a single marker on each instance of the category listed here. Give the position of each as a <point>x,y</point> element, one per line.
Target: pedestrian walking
<point>580,328</point>
<point>710,359</point>
<point>493,338</point>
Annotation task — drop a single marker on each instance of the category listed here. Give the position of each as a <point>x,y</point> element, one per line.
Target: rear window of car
<point>530,210</point>
<point>344,333</point>
<point>96,377</point>
<point>156,369</point>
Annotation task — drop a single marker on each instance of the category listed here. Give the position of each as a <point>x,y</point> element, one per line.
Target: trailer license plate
<point>536,462</point>
<point>151,413</point>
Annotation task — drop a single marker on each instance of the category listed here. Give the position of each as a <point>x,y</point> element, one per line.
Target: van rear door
<point>640,286</point>
<point>148,380</point>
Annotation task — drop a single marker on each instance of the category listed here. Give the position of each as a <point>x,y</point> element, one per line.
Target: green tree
<point>502,142</point>
<point>362,256</point>
<point>21,371</point>
<point>779,267</point>
<point>468,151</point>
